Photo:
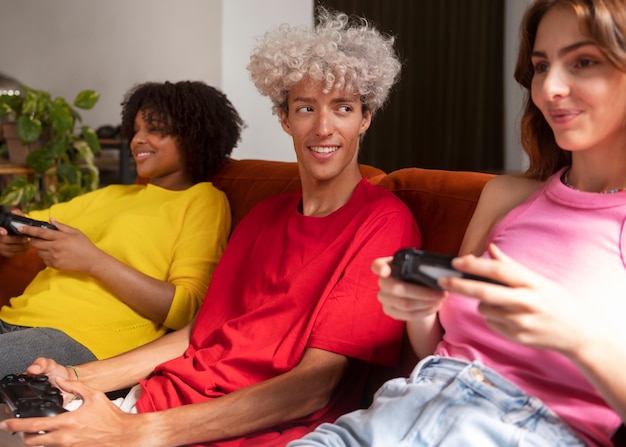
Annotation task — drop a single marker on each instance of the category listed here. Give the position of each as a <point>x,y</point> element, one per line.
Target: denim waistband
<point>482,380</point>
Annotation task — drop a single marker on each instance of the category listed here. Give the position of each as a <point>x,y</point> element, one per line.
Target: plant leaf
<point>5,110</point>
<point>86,99</point>
<point>40,160</point>
<point>91,138</point>
<point>61,116</point>
<point>29,130</point>
<point>91,174</point>
<point>9,104</point>
<point>58,146</point>
<point>18,192</point>
<point>68,173</point>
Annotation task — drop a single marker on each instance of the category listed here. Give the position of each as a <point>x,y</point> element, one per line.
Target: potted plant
<point>47,127</point>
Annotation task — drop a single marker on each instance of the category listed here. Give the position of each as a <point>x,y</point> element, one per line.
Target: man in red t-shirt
<point>290,322</point>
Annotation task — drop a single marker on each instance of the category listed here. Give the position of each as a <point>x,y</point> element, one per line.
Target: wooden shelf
<point>8,171</point>
<point>13,169</point>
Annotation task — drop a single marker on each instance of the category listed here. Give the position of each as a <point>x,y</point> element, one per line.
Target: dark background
<point>447,111</point>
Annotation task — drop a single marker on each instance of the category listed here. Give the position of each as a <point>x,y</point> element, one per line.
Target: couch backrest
<point>441,201</point>
<point>247,182</point>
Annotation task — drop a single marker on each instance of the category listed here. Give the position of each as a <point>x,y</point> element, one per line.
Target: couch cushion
<point>16,273</point>
<point>247,182</point>
<point>441,201</point>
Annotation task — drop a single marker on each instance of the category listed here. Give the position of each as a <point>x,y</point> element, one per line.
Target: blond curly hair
<point>341,52</point>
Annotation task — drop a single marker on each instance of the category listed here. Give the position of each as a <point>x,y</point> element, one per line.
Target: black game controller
<point>425,268</point>
<point>30,396</point>
<point>12,222</point>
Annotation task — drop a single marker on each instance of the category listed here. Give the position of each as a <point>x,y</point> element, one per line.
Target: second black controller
<point>30,396</point>
<point>11,222</point>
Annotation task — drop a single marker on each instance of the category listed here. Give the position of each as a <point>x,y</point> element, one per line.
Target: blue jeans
<point>20,345</point>
<point>447,402</point>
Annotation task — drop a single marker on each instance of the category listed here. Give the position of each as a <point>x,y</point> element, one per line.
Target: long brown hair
<point>605,22</point>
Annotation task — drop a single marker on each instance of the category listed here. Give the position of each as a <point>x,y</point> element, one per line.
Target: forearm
<point>127,369</point>
<point>603,364</point>
<point>305,389</point>
<point>425,334</point>
<point>150,297</point>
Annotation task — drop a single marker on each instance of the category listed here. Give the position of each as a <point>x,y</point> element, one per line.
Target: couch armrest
<point>16,273</point>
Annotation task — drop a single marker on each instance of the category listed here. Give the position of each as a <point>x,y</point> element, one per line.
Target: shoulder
<point>509,190</point>
<point>201,202</point>
<point>499,196</point>
<point>378,214</point>
<point>374,208</point>
<point>207,190</point>
<point>203,194</point>
<point>204,188</point>
<point>375,196</point>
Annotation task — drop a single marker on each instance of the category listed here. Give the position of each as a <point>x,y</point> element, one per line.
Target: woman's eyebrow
<point>565,50</point>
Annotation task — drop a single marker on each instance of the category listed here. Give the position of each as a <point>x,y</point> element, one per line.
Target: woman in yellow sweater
<point>129,262</point>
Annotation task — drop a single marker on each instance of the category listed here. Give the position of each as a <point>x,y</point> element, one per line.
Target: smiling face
<point>326,129</point>
<point>156,154</point>
<point>579,92</point>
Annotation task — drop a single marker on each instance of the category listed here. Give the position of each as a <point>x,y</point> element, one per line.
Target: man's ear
<point>284,122</point>
<point>365,123</point>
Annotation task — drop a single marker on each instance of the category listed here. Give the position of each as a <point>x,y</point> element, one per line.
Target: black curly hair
<point>204,122</point>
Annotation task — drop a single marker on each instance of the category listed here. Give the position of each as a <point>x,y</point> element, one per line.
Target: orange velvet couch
<point>441,201</point>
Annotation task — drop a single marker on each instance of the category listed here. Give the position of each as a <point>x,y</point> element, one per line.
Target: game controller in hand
<point>11,222</point>
<point>30,396</point>
<point>425,268</point>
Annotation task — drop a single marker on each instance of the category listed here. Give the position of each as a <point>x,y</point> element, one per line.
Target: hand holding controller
<point>30,396</point>
<point>11,222</point>
<point>425,268</point>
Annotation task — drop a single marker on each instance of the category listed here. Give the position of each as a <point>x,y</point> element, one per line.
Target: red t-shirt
<point>287,282</point>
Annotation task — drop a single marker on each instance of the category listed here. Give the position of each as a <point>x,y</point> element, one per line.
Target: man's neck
<point>321,198</point>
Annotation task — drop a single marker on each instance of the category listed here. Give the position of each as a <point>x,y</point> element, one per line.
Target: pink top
<point>577,239</point>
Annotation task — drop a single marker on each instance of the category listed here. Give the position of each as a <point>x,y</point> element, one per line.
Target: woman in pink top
<point>540,361</point>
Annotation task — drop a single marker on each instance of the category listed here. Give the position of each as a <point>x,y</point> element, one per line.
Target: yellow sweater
<point>174,236</point>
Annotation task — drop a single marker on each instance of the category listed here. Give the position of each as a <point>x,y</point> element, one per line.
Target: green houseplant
<point>63,153</point>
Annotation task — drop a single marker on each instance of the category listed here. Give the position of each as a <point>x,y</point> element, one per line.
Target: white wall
<point>244,21</point>
<point>65,46</point>
<point>515,159</point>
<point>69,45</point>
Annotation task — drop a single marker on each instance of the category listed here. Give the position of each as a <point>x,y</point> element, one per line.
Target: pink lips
<point>563,116</point>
